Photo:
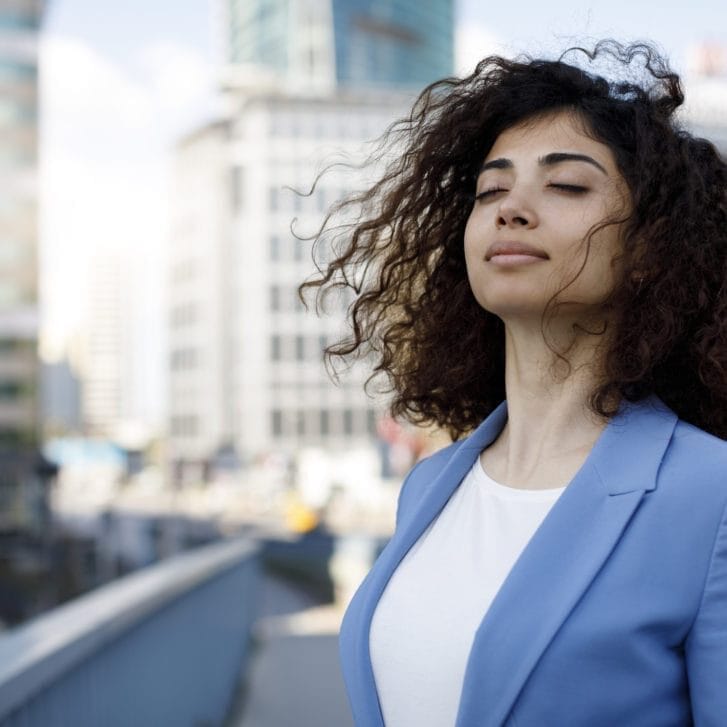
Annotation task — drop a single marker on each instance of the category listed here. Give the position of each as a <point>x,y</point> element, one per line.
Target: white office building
<point>245,356</point>
<point>105,344</point>
<point>201,305</point>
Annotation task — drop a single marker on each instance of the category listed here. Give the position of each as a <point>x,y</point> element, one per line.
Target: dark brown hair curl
<point>414,312</point>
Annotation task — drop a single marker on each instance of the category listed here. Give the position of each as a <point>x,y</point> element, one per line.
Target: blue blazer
<point>615,614</point>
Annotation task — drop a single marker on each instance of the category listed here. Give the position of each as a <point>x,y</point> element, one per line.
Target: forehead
<point>560,131</point>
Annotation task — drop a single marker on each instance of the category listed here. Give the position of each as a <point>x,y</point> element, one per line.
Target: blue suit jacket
<point>615,614</point>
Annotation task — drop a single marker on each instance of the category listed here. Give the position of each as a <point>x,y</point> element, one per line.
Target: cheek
<point>471,242</point>
<point>598,276</point>
<point>606,251</point>
<point>473,256</point>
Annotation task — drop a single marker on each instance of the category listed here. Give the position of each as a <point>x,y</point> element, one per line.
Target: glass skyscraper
<point>396,44</point>
<point>19,26</point>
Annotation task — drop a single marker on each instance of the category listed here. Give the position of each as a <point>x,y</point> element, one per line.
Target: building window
<point>11,390</point>
<point>371,419</point>
<point>183,315</point>
<point>11,344</point>
<point>298,250</point>
<point>325,423</point>
<point>348,422</point>
<point>311,423</point>
<point>237,188</point>
<point>276,422</point>
<point>361,423</point>
<point>275,298</point>
<point>299,348</point>
<point>274,199</point>
<point>185,425</point>
<point>275,348</point>
<point>310,349</point>
<point>184,358</point>
<point>275,248</point>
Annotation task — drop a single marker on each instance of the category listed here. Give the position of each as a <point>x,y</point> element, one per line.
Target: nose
<point>515,212</point>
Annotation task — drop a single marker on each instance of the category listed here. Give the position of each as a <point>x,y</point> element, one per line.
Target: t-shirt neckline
<point>513,493</point>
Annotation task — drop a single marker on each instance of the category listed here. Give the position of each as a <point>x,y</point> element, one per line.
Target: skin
<point>527,195</point>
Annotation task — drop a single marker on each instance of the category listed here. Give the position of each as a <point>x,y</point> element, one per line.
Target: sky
<point>120,82</point>
<point>532,26</point>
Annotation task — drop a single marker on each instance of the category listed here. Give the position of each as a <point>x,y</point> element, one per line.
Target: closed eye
<point>489,193</point>
<point>572,188</point>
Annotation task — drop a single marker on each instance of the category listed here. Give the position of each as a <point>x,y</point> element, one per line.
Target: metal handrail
<point>41,651</point>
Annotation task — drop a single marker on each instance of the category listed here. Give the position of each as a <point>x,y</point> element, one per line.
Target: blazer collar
<point>557,565</point>
<point>639,431</point>
<point>640,434</point>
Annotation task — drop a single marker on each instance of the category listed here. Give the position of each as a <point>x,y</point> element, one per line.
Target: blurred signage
<point>709,60</point>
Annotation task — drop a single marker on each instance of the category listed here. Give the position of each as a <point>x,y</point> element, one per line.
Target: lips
<point>514,248</point>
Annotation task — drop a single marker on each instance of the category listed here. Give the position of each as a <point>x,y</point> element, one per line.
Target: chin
<point>513,308</point>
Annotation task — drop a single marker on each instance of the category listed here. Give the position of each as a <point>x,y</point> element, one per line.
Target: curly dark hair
<point>414,313</point>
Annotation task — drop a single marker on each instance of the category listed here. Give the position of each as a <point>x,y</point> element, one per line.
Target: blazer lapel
<point>434,497</point>
<point>561,560</point>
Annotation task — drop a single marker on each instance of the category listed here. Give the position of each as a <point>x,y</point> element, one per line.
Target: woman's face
<point>541,189</point>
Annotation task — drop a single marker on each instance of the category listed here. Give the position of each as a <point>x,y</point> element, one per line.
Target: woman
<point>544,270</point>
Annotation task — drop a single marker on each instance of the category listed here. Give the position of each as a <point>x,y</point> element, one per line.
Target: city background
<point>162,389</point>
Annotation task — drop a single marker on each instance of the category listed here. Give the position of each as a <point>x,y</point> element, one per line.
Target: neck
<point>550,429</point>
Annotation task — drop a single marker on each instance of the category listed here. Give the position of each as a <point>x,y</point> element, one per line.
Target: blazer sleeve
<point>706,645</point>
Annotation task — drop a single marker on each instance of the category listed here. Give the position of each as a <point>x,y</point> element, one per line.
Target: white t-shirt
<point>425,622</point>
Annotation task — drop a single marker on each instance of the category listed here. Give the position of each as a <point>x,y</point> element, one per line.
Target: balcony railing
<point>163,646</point>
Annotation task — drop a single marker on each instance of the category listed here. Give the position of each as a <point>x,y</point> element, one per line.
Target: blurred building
<point>304,81</point>
<point>706,93</point>
<point>245,356</point>
<point>322,44</point>
<point>105,344</point>
<point>201,314</point>
<point>19,366</point>
<point>61,398</point>
<point>24,474</point>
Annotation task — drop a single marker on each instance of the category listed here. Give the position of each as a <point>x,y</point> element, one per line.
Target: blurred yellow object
<point>299,517</point>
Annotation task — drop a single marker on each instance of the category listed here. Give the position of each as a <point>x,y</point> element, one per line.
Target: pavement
<point>293,677</point>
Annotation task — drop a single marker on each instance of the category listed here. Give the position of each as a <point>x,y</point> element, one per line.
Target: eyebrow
<point>548,160</point>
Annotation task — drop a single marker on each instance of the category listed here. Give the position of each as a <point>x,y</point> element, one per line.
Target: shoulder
<point>437,460</point>
<point>698,456</point>
<point>433,464</point>
<point>692,481</point>
<point>423,474</point>
<point>685,433</point>
<point>684,459</point>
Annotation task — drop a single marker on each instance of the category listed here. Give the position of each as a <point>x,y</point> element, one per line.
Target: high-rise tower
<point>19,26</point>
<point>314,44</point>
